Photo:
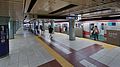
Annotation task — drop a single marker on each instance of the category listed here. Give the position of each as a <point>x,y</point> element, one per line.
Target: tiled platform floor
<point>84,51</point>
<point>27,51</point>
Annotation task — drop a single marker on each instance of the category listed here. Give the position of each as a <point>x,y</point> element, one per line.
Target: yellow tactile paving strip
<point>104,45</point>
<point>58,57</point>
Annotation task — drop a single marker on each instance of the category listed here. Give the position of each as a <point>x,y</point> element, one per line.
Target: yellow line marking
<point>57,56</point>
<point>109,46</point>
<point>104,45</point>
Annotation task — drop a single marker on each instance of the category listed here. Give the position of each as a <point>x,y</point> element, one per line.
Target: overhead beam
<point>51,17</point>
<point>24,5</point>
<point>102,18</point>
<point>32,3</point>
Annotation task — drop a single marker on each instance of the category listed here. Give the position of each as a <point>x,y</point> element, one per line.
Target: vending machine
<point>4,40</point>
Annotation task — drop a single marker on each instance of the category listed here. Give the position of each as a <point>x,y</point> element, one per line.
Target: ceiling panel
<point>40,7</point>
<point>12,8</point>
<point>79,2</point>
<point>27,3</point>
<point>45,7</point>
<point>57,4</point>
<point>89,5</point>
<point>16,9</point>
<point>4,8</point>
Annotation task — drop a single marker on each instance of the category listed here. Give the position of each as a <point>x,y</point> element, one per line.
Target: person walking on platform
<point>36,30</point>
<point>96,33</point>
<point>92,33</point>
<point>50,32</point>
<point>66,29</point>
<point>42,30</point>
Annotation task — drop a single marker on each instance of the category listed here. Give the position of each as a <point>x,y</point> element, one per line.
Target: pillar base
<point>72,39</point>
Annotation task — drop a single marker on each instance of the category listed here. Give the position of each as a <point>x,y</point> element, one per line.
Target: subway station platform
<point>82,30</point>
<point>28,50</point>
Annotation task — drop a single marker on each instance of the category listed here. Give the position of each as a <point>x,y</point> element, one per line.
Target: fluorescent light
<point>114,15</point>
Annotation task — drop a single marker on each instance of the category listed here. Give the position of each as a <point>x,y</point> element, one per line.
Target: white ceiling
<point>47,6</point>
<point>44,7</point>
<point>15,8</point>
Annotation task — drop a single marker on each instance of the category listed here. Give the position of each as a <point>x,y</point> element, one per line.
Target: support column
<point>43,27</point>
<point>14,25</point>
<point>20,24</point>
<point>71,30</point>
<point>34,23</point>
<point>11,29</point>
<point>52,24</point>
<point>43,24</point>
<point>29,26</point>
<point>17,25</point>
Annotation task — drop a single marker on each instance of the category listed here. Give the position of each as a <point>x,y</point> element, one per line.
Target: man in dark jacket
<point>36,30</point>
<point>50,31</point>
<point>42,30</point>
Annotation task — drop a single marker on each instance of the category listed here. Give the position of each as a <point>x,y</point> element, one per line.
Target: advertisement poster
<point>4,40</point>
